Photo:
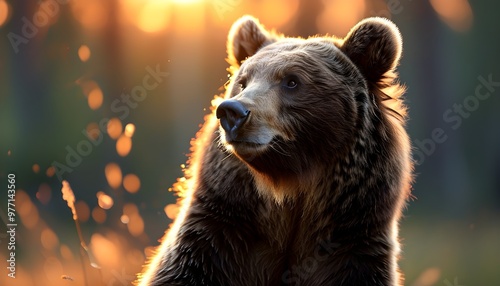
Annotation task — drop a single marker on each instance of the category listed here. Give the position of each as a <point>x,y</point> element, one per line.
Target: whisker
<point>278,148</point>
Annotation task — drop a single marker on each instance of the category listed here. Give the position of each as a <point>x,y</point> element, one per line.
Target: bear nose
<point>232,115</point>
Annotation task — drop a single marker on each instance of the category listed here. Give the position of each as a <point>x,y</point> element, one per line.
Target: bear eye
<point>290,82</point>
<point>242,83</point>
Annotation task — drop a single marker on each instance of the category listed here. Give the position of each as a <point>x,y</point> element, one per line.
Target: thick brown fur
<point>311,189</point>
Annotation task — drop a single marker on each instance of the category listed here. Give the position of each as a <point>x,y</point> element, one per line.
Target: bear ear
<point>245,38</point>
<point>374,45</point>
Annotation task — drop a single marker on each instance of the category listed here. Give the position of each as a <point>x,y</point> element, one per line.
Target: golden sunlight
<point>154,16</point>
<point>455,13</point>
<point>91,14</point>
<point>186,1</point>
<point>340,16</point>
<point>286,8</point>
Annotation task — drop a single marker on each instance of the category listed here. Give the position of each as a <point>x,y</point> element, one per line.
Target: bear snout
<point>232,115</point>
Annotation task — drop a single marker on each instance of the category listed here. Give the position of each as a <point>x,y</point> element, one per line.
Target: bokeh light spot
<point>87,85</point>
<point>84,53</point>
<point>135,225</point>
<point>26,210</point>
<point>171,210</point>
<point>123,145</point>
<point>50,172</point>
<point>49,239</point>
<point>95,98</point>
<point>113,175</point>
<point>66,252</point>
<point>53,270</point>
<point>24,205</point>
<point>44,193</point>
<point>129,130</point>
<point>105,251</point>
<point>104,201</point>
<point>114,128</point>
<point>131,183</point>
<point>430,276</point>
<point>4,12</point>
<point>92,130</point>
<point>99,215</point>
<point>124,219</point>
<point>130,209</point>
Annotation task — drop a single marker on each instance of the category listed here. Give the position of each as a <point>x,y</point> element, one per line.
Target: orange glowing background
<point>115,90</point>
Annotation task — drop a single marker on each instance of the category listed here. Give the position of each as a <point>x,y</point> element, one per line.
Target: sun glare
<point>154,16</point>
<point>186,2</point>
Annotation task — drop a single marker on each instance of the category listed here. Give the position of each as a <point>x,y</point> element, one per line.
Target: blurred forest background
<point>107,94</point>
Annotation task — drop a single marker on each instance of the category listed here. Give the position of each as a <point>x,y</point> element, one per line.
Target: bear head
<point>295,107</point>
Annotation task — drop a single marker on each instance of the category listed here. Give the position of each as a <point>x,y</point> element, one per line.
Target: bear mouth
<point>246,150</point>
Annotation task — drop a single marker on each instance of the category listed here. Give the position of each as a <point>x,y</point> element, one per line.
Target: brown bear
<point>300,173</point>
